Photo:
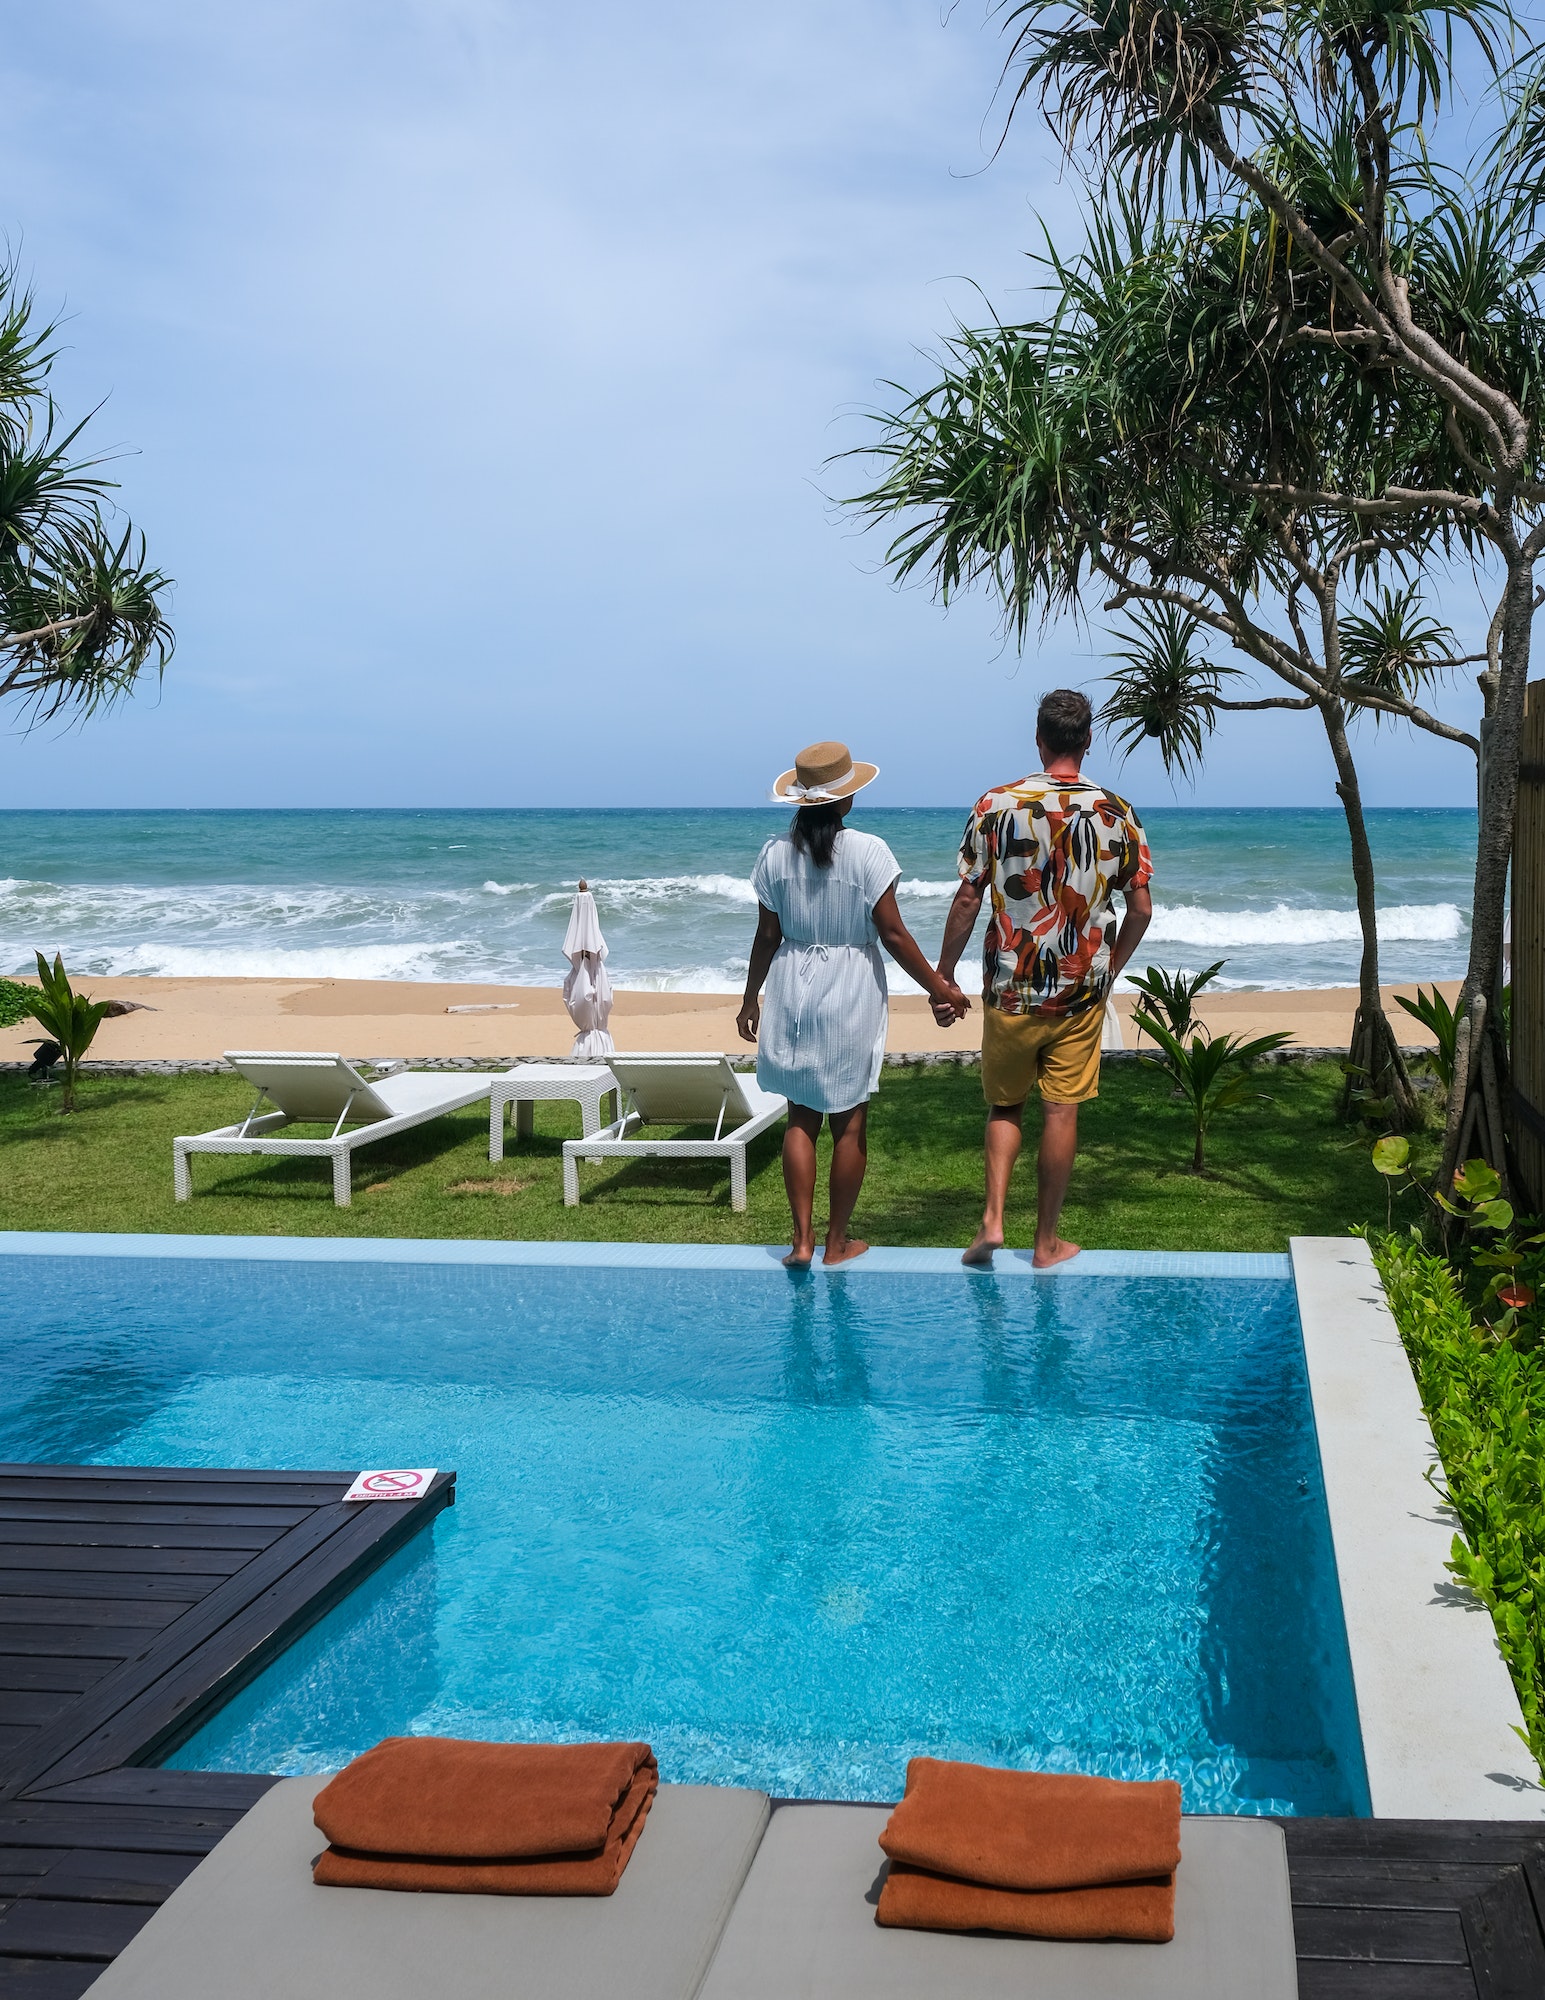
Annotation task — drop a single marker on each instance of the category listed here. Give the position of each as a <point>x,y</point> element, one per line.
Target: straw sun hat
<point>824,771</point>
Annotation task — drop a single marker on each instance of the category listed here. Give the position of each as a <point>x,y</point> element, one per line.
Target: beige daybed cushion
<point>248,1924</point>
<point>803,1927</point>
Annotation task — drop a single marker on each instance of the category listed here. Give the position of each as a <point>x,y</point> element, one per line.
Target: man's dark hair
<point>1064,722</point>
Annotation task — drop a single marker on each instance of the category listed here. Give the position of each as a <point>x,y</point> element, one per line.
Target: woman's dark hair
<point>814,830</point>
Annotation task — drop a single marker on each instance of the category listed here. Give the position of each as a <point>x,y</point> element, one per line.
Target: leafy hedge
<point>15,1002</point>
<point>1485,1401</point>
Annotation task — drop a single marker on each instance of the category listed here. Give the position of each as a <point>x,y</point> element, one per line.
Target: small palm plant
<point>1172,996</point>
<point>69,1017</point>
<point>1211,1076</point>
<point>1434,1013</point>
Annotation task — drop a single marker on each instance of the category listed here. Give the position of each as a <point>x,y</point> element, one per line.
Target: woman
<point>828,902</point>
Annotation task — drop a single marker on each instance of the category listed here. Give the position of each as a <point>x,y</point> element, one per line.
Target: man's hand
<point>749,1019</point>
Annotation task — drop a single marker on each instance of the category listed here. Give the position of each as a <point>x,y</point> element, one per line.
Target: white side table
<point>586,1083</point>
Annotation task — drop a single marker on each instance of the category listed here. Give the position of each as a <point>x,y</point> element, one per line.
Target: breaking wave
<point>671,889</point>
<point>1225,930</point>
<point>161,961</point>
<point>307,897</point>
<point>926,891</point>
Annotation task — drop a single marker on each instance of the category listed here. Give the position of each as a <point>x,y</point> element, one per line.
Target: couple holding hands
<point>1050,851</point>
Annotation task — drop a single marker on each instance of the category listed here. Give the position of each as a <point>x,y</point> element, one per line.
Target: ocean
<point>484,894</point>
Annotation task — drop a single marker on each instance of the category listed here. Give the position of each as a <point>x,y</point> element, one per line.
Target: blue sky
<point>480,361</point>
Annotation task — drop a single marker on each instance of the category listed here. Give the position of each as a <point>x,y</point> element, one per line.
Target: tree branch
<point>1397,500</point>
<point>1454,382</point>
<point>10,641</point>
<point>1242,631</point>
<point>1407,711</point>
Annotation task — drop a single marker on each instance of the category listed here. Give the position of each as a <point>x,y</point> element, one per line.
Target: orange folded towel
<point>1033,1829</point>
<point>513,1819</point>
<point>1039,1854</point>
<point>1137,1912</point>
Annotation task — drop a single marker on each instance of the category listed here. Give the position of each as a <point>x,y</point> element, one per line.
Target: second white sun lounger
<point>679,1089</point>
<point>318,1089</point>
<point>803,1927</point>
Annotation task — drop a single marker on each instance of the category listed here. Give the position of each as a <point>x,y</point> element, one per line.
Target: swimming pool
<point>791,1531</point>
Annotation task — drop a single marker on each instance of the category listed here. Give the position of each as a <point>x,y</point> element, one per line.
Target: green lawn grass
<point>1278,1169</point>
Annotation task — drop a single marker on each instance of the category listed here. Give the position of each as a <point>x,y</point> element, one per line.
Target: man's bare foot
<point>800,1257</point>
<point>843,1252</point>
<point>1059,1253</point>
<point>980,1252</point>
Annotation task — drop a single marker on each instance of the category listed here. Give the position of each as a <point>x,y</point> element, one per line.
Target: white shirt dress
<point>824,1011</point>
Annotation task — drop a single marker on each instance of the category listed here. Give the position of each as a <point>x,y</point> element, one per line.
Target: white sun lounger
<point>325,1090</point>
<point>249,1923</point>
<point>803,1927</point>
<point>698,1088</point>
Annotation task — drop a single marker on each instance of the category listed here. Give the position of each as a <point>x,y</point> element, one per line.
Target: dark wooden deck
<point>133,1601</point>
<point>1390,1909</point>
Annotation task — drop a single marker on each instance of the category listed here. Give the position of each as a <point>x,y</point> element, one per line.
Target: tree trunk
<point>1480,1059</point>
<point>1374,1057</point>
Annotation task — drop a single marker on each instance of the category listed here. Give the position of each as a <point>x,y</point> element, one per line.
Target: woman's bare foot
<point>843,1252</point>
<point>981,1250</point>
<point>1059,1252</point>
<point>799,1257</point>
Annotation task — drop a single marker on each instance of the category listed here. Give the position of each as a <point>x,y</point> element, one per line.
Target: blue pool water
<point>790,1531</point>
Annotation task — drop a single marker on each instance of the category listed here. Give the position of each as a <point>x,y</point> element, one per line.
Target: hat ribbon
<point>818,794</point>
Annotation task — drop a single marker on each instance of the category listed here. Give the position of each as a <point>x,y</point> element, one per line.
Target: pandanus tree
<point>81,610</point>
<point>1295,367</point>
<point>1168,691</point>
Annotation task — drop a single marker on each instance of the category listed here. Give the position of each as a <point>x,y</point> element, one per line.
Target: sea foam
<point>486,896</point>
<point>645,889</point>
<point>1222,930</point>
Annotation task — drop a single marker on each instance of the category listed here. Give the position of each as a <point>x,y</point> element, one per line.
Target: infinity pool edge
<point>1436,1704</point>
<point>888,1261</point>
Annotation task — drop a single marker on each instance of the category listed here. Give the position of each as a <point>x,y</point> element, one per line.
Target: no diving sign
<point>387,1485</point>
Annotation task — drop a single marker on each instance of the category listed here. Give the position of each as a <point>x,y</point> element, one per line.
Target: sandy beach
<point>198,1019</point>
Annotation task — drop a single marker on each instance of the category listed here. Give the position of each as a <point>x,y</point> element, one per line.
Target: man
<point>1053,848</point>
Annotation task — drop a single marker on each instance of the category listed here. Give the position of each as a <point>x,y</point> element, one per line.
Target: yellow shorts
<point>1061,1057</point>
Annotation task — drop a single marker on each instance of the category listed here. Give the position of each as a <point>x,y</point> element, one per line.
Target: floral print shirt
<point>1053,851</point>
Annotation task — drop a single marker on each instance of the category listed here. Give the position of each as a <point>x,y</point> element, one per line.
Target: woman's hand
<point>949,1003</point>
<point>764,946</point>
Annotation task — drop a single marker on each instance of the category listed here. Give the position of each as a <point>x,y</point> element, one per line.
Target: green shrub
<point>15,1002</point>
<point>1485,1400</point>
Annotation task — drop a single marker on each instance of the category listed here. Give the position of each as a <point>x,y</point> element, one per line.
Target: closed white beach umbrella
<point>587,992</point>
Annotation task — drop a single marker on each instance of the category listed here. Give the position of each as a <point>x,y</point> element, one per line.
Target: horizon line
<point>766,806</point>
